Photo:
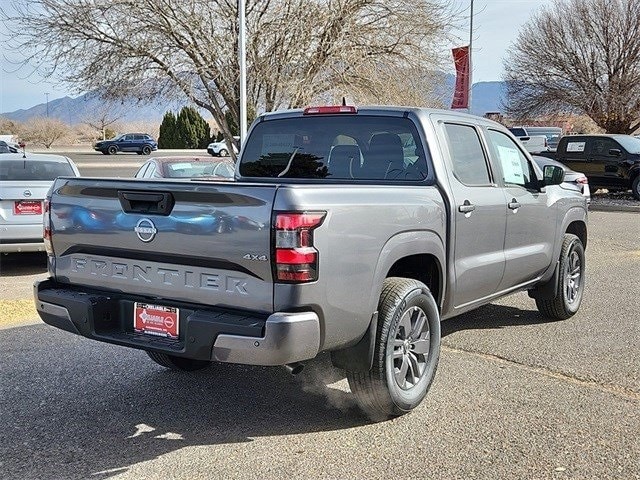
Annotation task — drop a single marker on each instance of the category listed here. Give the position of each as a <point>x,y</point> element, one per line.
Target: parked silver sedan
<point>25,180</point>
<point>572,180</point>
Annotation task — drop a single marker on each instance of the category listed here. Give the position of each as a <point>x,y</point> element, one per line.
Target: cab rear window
<point>25,170</point>
<point>340,147</point>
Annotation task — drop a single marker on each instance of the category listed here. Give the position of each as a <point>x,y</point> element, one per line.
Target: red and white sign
<point>27,207</point>
<point>461,92</point>
<point>156,320</point>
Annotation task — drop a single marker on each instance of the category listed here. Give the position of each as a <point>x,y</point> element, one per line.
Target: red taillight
<point>582,180</point>
<point>46,227</point>
<point>296,260</point>
<point>330,110</point>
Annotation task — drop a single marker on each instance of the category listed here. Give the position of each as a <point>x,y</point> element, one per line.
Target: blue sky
<point>497,23</point>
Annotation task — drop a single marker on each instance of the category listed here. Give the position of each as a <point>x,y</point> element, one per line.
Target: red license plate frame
<point>157,320</point>
<point>27,207</point>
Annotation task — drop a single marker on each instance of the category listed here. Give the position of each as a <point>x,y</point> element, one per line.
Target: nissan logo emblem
<point>145,230</point>
<point>27,193</point>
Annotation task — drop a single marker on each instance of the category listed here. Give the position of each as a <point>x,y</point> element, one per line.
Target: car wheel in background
<point>223,153</point>
<point>112,150</point>
<point>635,187</point>
<point>407,349</point>
<point>104,152</point>
<point>146,150</point>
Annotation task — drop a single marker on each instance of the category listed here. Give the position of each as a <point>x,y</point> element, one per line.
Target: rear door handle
<point>514,204</point>
<point>466,207</point>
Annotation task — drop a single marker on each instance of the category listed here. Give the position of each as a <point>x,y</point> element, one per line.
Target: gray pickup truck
<point>350,231</point>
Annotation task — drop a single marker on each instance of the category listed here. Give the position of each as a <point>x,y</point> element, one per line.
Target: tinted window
<point>601,146</point>
<point>518,132</point>
<point>128,137</point>
<point>335,147</point>
<point>467,157</point>
<point>26,170</point>
<point>138,137</point>
<point>516,169</point>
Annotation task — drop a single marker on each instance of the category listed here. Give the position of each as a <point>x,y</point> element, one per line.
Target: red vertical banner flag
<point>461,92</point>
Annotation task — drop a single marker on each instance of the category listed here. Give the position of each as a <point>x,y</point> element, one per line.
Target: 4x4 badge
<point>255,257</point>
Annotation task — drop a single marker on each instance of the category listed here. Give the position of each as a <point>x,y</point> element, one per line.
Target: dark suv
<point>608,161</point>
<point>141,143</point>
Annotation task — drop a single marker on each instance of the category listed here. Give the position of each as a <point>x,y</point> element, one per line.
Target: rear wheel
<point>407,349</point>
<point>565,302</point>
<point>104,152</point>
<point>112,150</point>
<point>223,153</point>
<point>178,363</point>
<point>635,187</point>
<point>146,150</point>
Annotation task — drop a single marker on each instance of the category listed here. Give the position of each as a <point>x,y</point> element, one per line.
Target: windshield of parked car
<point>199,168</point>
<point>340,147</point>
<point>33,170</point>
<point>629,143</point>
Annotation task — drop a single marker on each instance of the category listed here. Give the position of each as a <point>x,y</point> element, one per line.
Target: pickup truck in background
<point>350,231</point>
<point>608,161</point>
<point>533,143</point>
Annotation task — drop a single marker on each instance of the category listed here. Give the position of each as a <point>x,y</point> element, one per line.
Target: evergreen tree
<point>168,131</point>
<point>193,130</point>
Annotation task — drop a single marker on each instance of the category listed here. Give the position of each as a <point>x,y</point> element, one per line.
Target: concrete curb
<point>614,208</point>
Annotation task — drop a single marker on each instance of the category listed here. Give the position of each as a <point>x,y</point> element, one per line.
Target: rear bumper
<point>22,237</point>
<point>29,246</point>
<point>205,333</point>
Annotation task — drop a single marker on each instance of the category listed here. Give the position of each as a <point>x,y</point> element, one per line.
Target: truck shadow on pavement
<point>74,408</point>
<point>16,264</point>
<point>493,316</point>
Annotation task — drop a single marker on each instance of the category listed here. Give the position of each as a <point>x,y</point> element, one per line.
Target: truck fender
<point>359,357</point>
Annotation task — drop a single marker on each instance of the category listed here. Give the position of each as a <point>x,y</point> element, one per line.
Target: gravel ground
<point>612,200</point>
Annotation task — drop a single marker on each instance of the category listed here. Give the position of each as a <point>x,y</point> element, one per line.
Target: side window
<point>601,146</point>
<point>128,138</point>
<point>516,169</point>
<point>467,157</point>
<point>150,171</point>
<point>138,137</point>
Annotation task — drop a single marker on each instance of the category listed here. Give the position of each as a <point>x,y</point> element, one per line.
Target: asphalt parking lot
<point>515,396</point>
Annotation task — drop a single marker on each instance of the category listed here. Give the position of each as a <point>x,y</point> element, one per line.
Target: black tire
<point>635,187</point>
<point>112,150</point>
<point>104,152</point>
<point>178,363</point>
<point>565,302</point>
<point>139,153</point>
<point>378,391</point>
<point>223,152</point>
<point>146,150</point>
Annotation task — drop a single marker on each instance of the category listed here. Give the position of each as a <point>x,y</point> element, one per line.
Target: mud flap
<point>359,357</point>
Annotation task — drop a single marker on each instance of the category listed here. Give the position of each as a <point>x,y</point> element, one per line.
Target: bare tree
<point>579,56</point>
<point>106,115</point>
<point>299,50</point>
<point>44,131</point>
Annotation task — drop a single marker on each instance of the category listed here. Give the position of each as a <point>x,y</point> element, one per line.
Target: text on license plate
<point>156,320</point>
<point>27,207</point>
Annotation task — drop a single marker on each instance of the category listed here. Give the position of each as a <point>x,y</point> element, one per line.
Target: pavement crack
<point>616,390</point>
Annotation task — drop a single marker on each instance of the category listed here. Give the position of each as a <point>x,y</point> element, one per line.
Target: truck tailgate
<point>206,243</point>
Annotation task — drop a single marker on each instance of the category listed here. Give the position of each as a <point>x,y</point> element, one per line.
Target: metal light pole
<point>47,95</point>
<point>470,57</point>
<point>242,53</point>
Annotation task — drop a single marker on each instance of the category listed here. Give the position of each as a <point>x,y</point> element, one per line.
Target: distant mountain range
<point>486,97</point>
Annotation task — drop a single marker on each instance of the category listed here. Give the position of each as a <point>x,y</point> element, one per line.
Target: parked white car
<point>25,180</point>
<point>533,143</point>
<point>220,149</point>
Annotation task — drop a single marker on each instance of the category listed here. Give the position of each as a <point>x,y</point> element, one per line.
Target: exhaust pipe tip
<point>294,368</point>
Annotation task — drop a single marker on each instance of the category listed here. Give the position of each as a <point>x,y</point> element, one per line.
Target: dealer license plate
<point>27,207</point>
<point>156,320</point>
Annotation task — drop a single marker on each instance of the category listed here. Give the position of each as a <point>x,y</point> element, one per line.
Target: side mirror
<point>553,175</point>
<point>615,152</point>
